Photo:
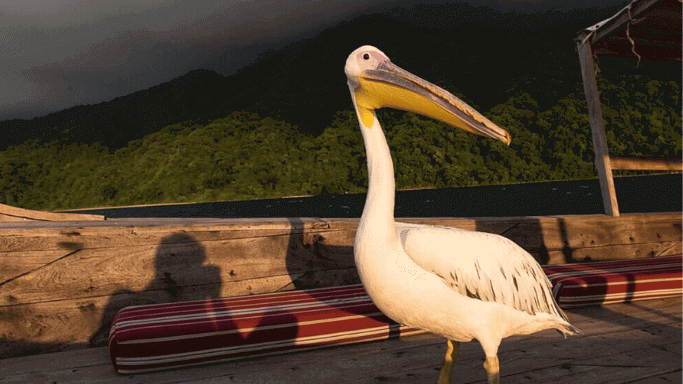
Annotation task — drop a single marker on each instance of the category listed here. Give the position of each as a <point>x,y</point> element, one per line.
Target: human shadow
<point>180,274</point>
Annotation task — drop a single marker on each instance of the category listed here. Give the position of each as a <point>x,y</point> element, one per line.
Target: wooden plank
<point>614,252</point>
<point>48,362</point>
<point>602,352</point>
<point>602,160</point>
<point>9,213</point>
<point>646,164</point>
<point>580,231</point>
<point>639,365</point>
<point>11,268</point>
<point>244,223</point>
<point>666,378</point>
<point>605,230</point>
<point>122,232</point>
<point>542,359</point>
<point>530,232</point>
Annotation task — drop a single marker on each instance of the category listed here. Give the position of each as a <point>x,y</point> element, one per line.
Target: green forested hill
<point>283,126</point>
<point>247,156</point>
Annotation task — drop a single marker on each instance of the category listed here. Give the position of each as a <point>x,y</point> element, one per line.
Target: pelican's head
<point>375,83</point>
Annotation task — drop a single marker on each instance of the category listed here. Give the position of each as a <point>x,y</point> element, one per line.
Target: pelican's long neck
<point>378,214</point>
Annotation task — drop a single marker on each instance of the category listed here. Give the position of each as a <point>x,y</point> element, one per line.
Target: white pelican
<point>459,284</point>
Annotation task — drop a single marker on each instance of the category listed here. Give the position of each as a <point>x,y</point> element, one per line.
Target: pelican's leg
<point>448,361</point>
<point>492,369</point>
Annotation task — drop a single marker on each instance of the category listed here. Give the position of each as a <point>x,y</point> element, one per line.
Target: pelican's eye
<point>366,56</point>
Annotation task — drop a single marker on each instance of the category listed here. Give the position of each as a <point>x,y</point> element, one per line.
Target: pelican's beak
<point>393,87</point>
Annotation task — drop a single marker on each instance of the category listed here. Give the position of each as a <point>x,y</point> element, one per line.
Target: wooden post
<point>602,161</point>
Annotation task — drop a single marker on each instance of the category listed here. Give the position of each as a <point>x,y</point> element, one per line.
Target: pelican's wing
<point>481,265</point>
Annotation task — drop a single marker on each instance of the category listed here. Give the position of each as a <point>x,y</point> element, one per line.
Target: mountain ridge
<point>303,83</point>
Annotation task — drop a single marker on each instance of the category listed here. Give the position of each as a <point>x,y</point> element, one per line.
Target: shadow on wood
<point>178,254</point>
<point>309,260</point>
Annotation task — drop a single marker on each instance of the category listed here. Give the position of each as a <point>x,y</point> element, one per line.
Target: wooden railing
<point>61,283</point>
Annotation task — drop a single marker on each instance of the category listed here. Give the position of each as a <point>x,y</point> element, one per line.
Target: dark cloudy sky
<point>55,54</point>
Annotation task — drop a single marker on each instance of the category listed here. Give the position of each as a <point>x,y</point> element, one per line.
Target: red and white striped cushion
<point>154,337</point>
<point>161,336</point>
<point>609,282</point>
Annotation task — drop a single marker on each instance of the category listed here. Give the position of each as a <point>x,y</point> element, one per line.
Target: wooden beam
<point>605,30</point>
<point>602,160</point>
<point>9,213</point>
<point>635,163</point>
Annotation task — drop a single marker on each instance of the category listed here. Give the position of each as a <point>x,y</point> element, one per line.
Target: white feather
<point>481,265</point>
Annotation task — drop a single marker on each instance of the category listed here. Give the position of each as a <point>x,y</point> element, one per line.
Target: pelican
<point>458,284</point>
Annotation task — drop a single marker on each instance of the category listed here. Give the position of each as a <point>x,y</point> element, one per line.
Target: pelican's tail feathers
<point>568,329</point>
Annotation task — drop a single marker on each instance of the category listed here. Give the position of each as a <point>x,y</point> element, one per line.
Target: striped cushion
<point>154,337</point>
<point>161,336</point>
<point>610,282</point>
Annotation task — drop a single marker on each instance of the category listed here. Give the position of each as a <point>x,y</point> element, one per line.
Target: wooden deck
<point>638,342</point>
